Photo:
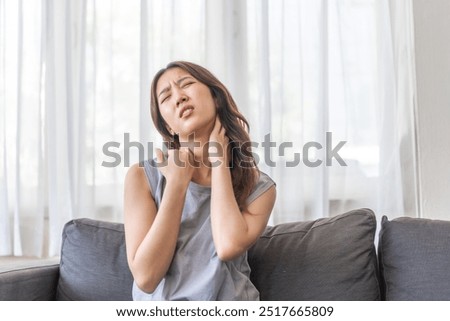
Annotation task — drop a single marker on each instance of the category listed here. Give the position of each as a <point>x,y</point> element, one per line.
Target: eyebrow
<point>179,81</point>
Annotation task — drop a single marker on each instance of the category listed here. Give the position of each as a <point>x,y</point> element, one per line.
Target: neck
<point>198,145</point>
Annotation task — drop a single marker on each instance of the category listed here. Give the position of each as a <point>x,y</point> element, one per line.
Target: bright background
<point>75,75</point>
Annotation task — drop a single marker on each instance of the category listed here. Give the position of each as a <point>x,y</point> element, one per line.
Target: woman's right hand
<point>177,166</point>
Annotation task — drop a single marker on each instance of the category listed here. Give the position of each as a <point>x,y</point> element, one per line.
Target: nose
<point>181,99</point>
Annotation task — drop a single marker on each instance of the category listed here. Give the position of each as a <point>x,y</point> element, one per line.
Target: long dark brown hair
<point>244,171</point>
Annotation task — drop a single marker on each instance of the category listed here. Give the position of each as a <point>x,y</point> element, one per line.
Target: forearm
<point>228,224</point>
<point>155,253</point>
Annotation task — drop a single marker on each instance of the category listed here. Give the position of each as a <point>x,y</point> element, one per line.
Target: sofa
<point>333,258</point>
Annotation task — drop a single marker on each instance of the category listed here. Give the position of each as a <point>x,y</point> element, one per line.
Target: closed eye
<point>164,99</point>
<point>187,84</point>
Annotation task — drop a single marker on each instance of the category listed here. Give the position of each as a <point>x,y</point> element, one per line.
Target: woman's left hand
<point>218,144</point>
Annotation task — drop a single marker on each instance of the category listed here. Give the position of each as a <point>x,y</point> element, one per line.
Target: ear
<point>216,102</point>
<point>215,98</point>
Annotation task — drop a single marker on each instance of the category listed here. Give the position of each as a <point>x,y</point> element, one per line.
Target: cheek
<point>167,117</point>
<point>164,113</point>
<point>210,102</point>
<point>209,108</point>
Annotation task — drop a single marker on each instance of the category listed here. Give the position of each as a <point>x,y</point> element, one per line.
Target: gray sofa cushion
<point>93,262</point>
<point>326,259</point>
<point>29,284</point>
<point>414,259</point>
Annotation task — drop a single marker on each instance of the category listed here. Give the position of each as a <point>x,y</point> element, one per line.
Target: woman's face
<point>186,104</point>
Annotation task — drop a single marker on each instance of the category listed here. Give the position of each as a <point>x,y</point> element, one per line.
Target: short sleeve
<point>154,176</point>
<point>263,184</point>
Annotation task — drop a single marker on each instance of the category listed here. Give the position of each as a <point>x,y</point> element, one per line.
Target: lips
<point>185,111</point>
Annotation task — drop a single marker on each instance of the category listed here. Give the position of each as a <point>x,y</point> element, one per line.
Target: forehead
<point>169,76</point>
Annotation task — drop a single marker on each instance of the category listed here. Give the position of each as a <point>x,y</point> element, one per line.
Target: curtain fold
<point>5,224</point>
<point>327,86</point>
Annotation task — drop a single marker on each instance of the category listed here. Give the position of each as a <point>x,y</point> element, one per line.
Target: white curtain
<point>74,86</point>
<point>347,68</point>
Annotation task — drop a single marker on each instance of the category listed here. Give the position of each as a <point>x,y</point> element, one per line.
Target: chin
<point>193,129</point>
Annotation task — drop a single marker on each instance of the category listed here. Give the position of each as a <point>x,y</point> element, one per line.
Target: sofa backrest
<point>93,262</point>
<point>414,256</point>
<point>327,259</point>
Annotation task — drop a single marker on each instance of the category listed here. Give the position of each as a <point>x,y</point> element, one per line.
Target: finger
<point>159,155</point>
<point>218,125</point>
<point>187,155</point>
<point>160,159</point>
<point>242,123</point>
<point>171,153</point>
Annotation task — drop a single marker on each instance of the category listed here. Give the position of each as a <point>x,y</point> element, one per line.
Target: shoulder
<point>263,184</point>
<point>145,172</point>
<point>135,176</point>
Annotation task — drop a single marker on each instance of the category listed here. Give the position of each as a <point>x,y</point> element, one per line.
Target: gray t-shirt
<point>196,272</point>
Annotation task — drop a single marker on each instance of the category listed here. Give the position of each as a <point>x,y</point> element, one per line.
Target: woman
<point>191,214</point>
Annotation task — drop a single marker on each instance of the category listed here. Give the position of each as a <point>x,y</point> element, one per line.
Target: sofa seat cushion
<point>93,262</point>
<point>414,259</point>
<point>326,259</point>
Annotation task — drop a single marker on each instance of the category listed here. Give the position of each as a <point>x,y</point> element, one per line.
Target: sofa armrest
<point>29,284</point>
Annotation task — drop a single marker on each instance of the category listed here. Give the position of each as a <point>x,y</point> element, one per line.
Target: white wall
<point>432,42</point>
